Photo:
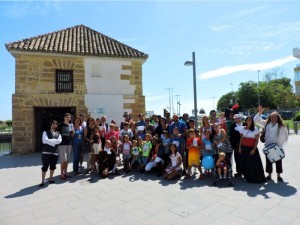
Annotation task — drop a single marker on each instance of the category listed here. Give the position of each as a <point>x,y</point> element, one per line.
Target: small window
<point>64,81</point>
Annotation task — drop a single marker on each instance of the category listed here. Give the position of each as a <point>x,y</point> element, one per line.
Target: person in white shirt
<point>276,132</point>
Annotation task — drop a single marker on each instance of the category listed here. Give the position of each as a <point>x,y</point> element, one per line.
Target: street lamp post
<point>169,100</point>
<point>177,103</point>
<point>193,63</point>
<point>213,102</point>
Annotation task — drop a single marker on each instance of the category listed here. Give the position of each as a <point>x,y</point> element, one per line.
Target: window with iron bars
<point>64,81</point>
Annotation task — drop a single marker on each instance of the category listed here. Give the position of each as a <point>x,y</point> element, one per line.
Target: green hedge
<point>297,116</point>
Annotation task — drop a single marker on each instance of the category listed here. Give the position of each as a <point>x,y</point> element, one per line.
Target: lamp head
<point>189,63</point>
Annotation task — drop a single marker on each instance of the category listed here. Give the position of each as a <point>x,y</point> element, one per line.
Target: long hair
<point>252,123</point>
<point>176,150</point>
<point>279,119</point>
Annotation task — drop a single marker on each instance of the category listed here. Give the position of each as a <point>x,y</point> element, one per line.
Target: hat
<point>237,116</point>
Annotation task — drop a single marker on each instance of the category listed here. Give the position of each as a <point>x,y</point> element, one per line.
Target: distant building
<point>296,53</point>
<point>75,70</point>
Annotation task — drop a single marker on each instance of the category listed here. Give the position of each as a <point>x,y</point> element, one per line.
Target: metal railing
<point>5,143</point>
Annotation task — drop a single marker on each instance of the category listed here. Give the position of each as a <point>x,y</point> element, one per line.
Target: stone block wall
<point>35,87</point>
<point>138,105</point>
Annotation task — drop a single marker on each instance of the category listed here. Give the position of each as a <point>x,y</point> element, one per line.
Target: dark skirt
<point>252,167</point>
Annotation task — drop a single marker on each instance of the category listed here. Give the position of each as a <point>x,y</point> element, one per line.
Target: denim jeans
<point>76,155</point>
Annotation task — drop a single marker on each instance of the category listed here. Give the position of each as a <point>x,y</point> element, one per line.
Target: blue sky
<point>232,41</point>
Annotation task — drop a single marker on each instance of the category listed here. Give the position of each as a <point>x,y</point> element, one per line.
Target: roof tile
<point>77,40</point>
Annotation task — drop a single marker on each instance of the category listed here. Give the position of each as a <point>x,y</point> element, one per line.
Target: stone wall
<point>138,105</point>
<point>35,87</point>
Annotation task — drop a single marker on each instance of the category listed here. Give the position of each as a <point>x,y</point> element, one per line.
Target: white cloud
<point>245,67</point>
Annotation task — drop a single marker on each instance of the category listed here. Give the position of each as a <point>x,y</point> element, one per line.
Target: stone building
<point>75,70</point>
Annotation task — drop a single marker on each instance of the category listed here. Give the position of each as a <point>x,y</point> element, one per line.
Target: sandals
<point>51,182</point>
<point>41,185</point>
<point>202,176</point>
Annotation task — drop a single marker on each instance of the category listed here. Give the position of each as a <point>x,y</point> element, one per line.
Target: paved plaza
<point>146,199</point>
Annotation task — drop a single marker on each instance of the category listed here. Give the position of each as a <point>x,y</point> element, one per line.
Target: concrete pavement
<point>145,199</point>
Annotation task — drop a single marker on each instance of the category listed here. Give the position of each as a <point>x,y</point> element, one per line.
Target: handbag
<point>86,147</point>
<point>262,136</point>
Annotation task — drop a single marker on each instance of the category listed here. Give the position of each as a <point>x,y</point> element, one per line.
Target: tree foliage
<point>225,101</point>
<point>273,93</point>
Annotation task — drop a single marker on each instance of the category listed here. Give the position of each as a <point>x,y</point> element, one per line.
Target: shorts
<point>126,157</point>
<point>64,152</point>
<point>49,160</point>
<point>96,148</point>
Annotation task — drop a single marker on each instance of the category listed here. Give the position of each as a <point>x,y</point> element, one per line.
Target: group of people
<point>170,146</point>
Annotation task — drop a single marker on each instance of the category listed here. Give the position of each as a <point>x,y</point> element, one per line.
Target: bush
<point>9,123</point>
<point>297,116</point>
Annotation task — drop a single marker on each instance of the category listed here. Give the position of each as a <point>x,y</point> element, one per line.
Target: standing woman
<point>88,131</point>
<point>252,167</point>
<point>50,139</point>
<point>276,133</point>
<point>77,142</point>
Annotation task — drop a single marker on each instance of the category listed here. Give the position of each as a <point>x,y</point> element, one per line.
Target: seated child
<point>222,165</point>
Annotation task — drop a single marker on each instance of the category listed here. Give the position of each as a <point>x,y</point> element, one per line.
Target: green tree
<point>225,101</point>
<point>247,95</point>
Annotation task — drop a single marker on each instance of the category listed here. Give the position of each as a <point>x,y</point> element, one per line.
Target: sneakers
<point>220,177</point>
<point>237,174</point>
<point>279,179</point>
<point>268,178</point>
<point>116,172</point>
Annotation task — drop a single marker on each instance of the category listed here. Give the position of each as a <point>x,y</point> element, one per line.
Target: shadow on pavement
<point>266,190</point>
<point>27,191</point>
<point>10,161</point>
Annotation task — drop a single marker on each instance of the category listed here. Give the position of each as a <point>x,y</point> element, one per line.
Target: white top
<point>248,133</point>
<point>174,160</point>
<point>51,142</point>
<point>273,134</point>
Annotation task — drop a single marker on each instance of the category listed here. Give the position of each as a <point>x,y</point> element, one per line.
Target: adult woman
<point>276,133</point>
<point>162,125</point>
<point>88,131</point>
<point>220,140</point>
<point>51,139</point>
<point>252,167</point>
<point>77,141</point>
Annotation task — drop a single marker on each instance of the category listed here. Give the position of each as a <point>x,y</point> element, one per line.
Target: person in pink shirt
<point>111,132</point>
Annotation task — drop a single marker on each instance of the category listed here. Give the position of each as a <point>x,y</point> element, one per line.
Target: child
<point>177,139</point>
<point>166,141</point>
<point>193,146</point>
<point>222,165</point>
<point>222,121</point>
<point>146,149</point>
<point>136,154</point>
<point>207,147</point>
<point>96,148</point>
<point>125,148</point>
<point>174,169</point>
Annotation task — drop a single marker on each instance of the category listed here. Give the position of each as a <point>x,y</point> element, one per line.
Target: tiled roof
<point>77,40</point>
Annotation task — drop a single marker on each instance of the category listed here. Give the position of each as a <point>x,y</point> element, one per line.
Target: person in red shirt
<point>111,132</point>
<point>193,145</point>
